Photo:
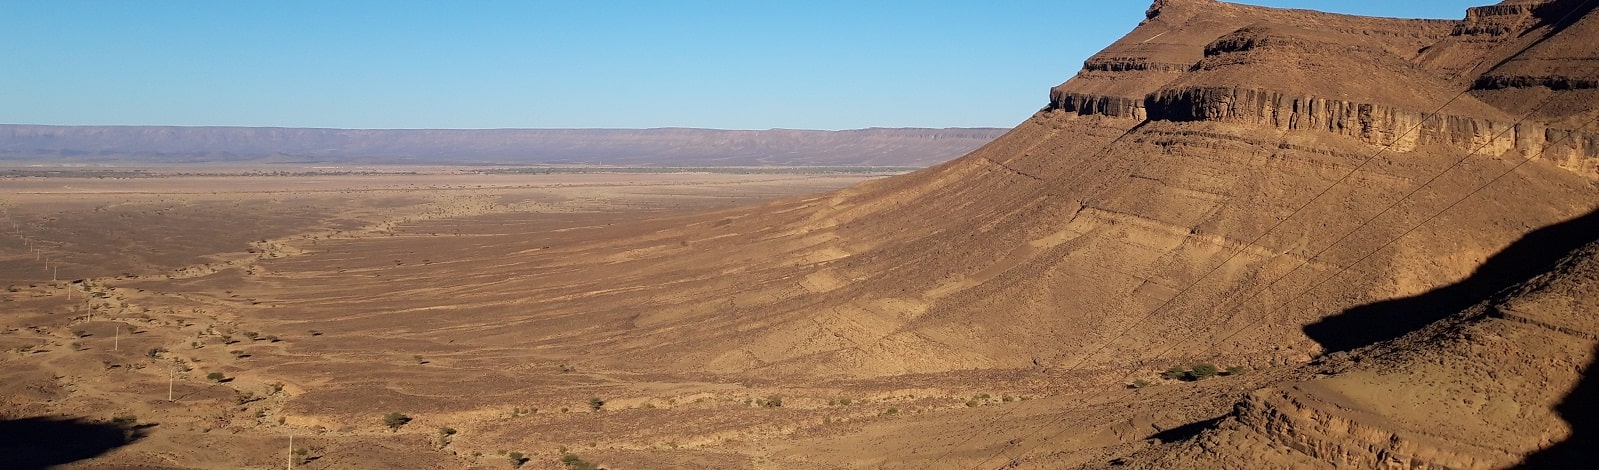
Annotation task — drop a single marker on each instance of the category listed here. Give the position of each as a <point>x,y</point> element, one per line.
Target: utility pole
<point>291,452</point>
<point>116,340</point>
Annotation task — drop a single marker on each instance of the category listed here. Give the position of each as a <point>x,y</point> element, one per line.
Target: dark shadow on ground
<point>1186,431</point>
<point>1534,254</point>
<point>1580,409</point>
<point>42,442</point>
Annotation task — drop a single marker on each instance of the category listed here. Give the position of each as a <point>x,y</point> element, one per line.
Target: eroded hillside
<point>1308,199</point>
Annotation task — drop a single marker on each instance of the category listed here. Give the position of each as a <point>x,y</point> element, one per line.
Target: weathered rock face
<point>1400,130</point>
<point>1426,112</point>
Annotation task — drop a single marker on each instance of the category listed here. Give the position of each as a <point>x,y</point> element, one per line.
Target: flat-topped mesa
<point>1173,38</point>
<point>1300,77</point>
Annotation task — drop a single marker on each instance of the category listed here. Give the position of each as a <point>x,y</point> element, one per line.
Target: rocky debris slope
<point>1208,220</point>
<point>1495,384</point>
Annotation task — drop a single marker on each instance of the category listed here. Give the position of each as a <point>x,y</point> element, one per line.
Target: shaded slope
<point>1485,388</point>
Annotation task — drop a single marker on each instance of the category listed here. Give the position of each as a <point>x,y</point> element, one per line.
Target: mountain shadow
<point>1534,254</point>
<point>1580,409</point>
<point>42,442</point>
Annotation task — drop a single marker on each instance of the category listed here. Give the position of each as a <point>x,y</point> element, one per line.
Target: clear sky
<point>748,64</point>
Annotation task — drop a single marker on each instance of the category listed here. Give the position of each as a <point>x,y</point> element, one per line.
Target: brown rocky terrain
<point>1382,229</point>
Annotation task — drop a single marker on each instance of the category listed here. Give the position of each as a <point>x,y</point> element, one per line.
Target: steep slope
<point>1069,235</point>
<point>1486,388</point>
<point>1229,184</point>
<point>1207,216</point>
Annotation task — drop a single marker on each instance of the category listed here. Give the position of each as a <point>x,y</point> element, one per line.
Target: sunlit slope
<point>1191,212</point>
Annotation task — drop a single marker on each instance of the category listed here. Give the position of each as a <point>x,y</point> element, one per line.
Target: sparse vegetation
<point>1195,373</point>
<point>573,462</point>
<point>216,377</point>
<point>596,404</point>
<point>516,459</point>
<point>395,420</point>
<point>444,436</point>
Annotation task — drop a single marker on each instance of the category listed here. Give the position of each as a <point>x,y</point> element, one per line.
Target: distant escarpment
<point>667,146</point>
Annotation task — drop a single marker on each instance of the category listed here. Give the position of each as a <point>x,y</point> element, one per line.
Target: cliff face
<point>1496,384</point>
<point>1263,75</point>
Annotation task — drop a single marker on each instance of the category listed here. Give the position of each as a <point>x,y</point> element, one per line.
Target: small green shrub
<point>216,376</point>
<point>573,462</point>
<point>596,404</point>
<point>395,420</point>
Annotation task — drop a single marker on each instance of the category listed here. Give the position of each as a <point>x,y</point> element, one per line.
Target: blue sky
<point>750,64</point>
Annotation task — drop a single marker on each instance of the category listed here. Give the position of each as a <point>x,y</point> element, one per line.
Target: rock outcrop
<point>1410,106</point>
<point>1483,389</point>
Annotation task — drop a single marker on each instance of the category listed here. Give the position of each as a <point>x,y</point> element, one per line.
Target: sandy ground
<point>124,295</point>
<point>200,322</point>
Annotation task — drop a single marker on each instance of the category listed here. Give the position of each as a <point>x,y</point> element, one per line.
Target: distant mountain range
<point>908,147</point>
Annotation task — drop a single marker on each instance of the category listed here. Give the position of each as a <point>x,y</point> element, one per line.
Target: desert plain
<point>1238,237</point>
<point>327,302</point>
